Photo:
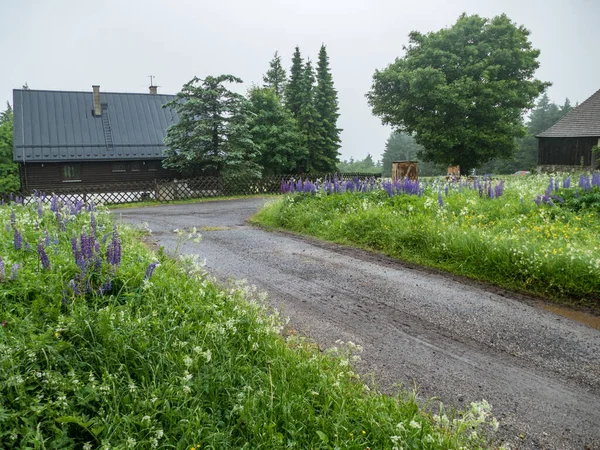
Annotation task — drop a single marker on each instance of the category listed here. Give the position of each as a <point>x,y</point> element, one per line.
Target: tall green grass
<point>167,359</point>
<point>510,241</point>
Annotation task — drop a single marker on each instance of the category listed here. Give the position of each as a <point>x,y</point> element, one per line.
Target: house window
<point>153,166</point>
<point>136,166</point>
<point>119,167</point>
<point>71,173</point>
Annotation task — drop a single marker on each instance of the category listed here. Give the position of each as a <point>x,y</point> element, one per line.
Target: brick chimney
<point>153,90</point>
<point>97,106</point>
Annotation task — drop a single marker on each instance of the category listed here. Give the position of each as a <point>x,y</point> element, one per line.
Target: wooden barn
<point>64,138</point>
<point>567,145</point>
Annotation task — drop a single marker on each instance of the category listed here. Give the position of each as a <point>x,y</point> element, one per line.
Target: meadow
<point>106,344</point>
<point>536,234</point>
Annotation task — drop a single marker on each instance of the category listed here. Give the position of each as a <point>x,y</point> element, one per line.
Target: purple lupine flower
<point>54,203</point>
<point>17,239</point>
<point>500,188</point>
<point>440,199</point>
<point>56,240</point>
<point>596,179</point>
<point>74,248</point>
<point>566,182</point>
<point>7,226</point>
<point>2,274</point>
<point>73,286</point>
<point>446,190</point>
<point>46,238</point>
<point>13,218</point>
<point>14,271</point>
<point>40,209</point>
<point>107,286</point>
<point>150,270</point>
<point>43,256</point>
<point>93,223</point>
<point>26,246</point>
<point>113,252</point>
<point>538,200</point>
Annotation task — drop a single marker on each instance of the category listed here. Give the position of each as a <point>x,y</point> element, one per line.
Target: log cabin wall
<point>566,151</point>
<point>44,176</point>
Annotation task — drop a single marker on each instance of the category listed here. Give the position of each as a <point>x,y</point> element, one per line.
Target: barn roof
<point>60,126</point>
<point>581,121</point>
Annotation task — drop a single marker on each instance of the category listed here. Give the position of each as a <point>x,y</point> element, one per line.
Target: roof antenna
<point>153,89</point>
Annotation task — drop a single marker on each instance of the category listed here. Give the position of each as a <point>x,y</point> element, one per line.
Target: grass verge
<point>509,241</point>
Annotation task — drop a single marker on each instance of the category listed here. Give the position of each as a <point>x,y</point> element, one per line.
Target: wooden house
<point>567,145</point>
<point>66,138</point>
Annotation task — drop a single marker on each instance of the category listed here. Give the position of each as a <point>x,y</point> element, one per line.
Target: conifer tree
<point>293,87</point>
<point>326,104</point>
<point>276,78</point>
<point>309,121</point>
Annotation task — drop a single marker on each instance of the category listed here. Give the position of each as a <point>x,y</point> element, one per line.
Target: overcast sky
<point>72,44</point>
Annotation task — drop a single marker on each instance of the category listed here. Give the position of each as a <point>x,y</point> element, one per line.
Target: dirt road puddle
<point>579,316</point>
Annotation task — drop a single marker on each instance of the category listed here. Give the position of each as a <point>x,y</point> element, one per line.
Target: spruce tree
<point>326,104</point>
<point>276,78</point>
<point>309,123</point>
<point>275,133</point>
<point>293,87</point>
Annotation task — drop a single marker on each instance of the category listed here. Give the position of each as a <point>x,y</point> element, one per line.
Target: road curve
<point>453,339</point>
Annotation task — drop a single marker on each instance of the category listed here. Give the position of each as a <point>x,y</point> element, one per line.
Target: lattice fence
<point>171,190</point>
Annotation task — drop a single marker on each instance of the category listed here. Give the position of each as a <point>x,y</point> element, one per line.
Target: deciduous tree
<point>461,90</point>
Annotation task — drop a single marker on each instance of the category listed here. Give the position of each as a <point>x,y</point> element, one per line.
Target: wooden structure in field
<point>567,145</point>
<point>454,171</point>
<point>69,139</point>
<point>405,169</point>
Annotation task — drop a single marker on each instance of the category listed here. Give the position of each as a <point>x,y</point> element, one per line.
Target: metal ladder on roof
<point>108,137</point>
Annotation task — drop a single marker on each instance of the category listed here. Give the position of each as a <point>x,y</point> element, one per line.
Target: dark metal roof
<point>60,126</point>
<point>581,121</point>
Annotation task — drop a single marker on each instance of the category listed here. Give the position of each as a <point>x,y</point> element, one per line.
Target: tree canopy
<point>276,78</point>
<point>212,136</point>
<point>461,91</point>
<point>326,104</point>
<point>9,170</point>
<point>276,133</point>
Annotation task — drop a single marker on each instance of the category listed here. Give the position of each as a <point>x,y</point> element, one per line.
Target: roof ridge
<point>90,92</point>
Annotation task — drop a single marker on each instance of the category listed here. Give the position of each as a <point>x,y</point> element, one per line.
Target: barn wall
<point>43,176</point>
<point>566,151</point>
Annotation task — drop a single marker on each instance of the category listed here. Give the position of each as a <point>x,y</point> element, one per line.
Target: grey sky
<point>72,44</point>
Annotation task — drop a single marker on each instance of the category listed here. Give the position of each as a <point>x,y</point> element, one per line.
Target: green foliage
<point>9,170</point>
<point>580,201</point>
<point>276,133</point>
<point>509,241</point>
<point>326,104</point>
<point>309,124</point>
<point>276,78</point>
<point>366,165</point>
<point>293,89</point>
<point>543,116</point>
<point>461,90</point>
<point>169,360</point>
<point>212,136</point>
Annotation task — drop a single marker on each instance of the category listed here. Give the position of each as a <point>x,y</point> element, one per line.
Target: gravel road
<point>455,340</point>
